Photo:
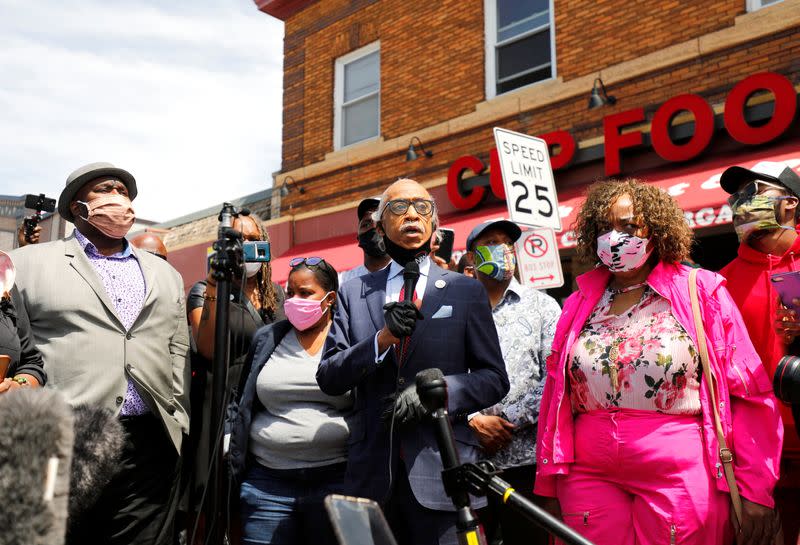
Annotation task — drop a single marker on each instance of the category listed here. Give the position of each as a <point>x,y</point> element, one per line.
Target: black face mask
<point>372,243</point>
<point>404,255</point>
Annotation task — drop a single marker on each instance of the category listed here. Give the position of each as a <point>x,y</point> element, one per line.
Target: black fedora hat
<point>86,174</point>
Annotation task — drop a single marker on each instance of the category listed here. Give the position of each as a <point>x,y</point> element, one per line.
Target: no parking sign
<point>538,259</point>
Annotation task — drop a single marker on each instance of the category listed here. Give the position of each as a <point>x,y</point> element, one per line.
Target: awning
<point>695,188</point>
<point>341,252</point>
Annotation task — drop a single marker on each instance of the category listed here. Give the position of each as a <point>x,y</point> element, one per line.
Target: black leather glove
<point>401,318</point>
<point>408,407</point>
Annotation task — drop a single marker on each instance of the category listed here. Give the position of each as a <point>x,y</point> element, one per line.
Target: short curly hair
<point>669,231</point>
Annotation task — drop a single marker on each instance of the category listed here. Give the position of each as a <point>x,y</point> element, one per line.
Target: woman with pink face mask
<point>288,439</point>
<point>628,448</point>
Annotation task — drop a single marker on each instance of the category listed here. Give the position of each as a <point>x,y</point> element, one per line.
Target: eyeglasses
<point>750,190</point>
<point>398,207</point>
<point>307,261</point>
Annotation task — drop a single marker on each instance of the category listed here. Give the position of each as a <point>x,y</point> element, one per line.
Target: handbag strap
<point>725,454</point>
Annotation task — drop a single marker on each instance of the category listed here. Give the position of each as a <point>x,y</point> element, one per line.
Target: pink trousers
<point>640,478</point>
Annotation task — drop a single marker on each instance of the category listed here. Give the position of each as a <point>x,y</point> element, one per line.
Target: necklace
<point>617,291</point>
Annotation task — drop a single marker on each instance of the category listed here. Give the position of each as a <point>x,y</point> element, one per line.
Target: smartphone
<point>256,251</point>
<point>358,521</point>
<point>40,203</point>
<point>788,287</point>
<point>446,238</point>
<point>5,362</point>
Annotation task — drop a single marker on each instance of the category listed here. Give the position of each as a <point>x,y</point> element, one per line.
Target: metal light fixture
<point>286,188</point>
<point>599,96</point>
<point>411,154</point>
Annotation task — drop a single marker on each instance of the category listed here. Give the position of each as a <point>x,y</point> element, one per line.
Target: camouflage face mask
<point>759,213</point>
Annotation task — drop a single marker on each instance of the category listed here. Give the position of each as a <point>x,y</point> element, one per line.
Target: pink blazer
<point>748,408</point>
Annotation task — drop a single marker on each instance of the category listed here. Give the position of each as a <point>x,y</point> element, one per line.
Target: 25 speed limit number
<point>528,179</point>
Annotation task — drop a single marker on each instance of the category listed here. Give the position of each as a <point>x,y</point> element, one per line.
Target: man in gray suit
<point>110,322</point>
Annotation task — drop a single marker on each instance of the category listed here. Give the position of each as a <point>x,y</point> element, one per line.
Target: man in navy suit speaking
<point>380,339</point>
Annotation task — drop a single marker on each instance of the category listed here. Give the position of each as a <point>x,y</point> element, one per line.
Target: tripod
<point>226,261</point>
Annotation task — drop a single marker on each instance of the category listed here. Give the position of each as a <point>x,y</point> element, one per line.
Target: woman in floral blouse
<point>626,446</point>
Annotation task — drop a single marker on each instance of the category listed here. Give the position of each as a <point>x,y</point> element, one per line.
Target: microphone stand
<point>226,260</point>
<point>433,395</point>
<point>479,478</point>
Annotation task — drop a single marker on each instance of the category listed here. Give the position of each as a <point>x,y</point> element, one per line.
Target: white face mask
<point>251,269</point>
<point>621,252</point>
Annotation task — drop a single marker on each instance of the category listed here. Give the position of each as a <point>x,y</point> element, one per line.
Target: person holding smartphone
<point>764,201</point>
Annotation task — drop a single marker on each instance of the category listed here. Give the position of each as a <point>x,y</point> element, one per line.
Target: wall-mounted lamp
<point>411,154</point>
<point>599,96</point>
<point>286,188</point>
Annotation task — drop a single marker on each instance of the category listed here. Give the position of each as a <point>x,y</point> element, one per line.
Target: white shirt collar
<point>396,269</point>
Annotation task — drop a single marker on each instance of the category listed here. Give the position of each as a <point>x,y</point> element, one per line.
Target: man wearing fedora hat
<point>109,320</point>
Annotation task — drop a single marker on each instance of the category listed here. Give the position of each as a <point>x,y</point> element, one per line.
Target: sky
<point>185,95</point>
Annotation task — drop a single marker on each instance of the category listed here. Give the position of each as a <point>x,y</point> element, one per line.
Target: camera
<point>786,384</point>
<point>256,251</point>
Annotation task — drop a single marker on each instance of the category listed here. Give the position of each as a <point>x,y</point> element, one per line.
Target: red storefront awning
<point>341,252</point>
<point>695,188</point>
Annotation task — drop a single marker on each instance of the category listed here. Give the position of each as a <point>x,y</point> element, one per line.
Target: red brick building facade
<point>447,72</point>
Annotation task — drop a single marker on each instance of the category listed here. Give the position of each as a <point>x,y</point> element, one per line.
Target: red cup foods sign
<point>615,140</point>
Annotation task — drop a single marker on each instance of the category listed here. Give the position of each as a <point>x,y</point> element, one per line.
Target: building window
<point>753,5</point>
<point>357,96</point>
<point>520,47</point>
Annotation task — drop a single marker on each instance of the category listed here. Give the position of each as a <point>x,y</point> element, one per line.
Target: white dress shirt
<point>394,284</point>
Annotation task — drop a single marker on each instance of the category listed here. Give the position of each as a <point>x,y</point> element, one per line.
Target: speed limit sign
<point>528,179</point>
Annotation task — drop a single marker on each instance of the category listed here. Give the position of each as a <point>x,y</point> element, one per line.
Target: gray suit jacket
<point>88,354</point>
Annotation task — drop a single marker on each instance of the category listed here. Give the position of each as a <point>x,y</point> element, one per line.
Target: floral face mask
<point>622,252</point>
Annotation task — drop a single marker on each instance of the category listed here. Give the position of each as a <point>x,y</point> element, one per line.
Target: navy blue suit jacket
<point>461,341</point>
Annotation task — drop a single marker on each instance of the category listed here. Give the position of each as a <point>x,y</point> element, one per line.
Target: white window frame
<point>338,94</point>
<point>490,54</point>
<point>755,5</point>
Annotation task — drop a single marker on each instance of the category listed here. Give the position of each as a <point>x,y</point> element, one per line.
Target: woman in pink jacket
<point>626,443</point>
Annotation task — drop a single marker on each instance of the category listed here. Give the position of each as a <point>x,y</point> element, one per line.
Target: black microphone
<point>432,392</point>
<point>410,277</point>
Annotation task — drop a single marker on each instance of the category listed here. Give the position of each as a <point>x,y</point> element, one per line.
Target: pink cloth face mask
<point>112,215</point>
<point>304,313</point>
<point>621,252</point>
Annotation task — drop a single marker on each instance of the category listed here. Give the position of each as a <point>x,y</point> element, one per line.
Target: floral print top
<point>641,359</point>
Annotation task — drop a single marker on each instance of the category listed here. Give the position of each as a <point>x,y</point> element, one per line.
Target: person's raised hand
<point>787,323</point>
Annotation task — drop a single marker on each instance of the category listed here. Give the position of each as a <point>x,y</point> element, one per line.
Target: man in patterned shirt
<point>526,320</point>
<point>110,322</point>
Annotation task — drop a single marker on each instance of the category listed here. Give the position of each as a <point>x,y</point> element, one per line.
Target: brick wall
<point>591,35</point>
<point>432,71</point>
<point>710,75</point>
